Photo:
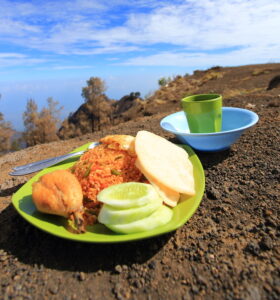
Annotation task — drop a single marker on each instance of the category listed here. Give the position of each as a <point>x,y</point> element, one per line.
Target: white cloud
<point>249,55</point>
<point>67,67</point>
<point>11,55</point>
<point>18,59</point>
<point>84,27</point>
<point>13,28</point>
<point>202,25</point>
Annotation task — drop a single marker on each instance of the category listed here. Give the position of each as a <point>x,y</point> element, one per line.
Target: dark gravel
<point>230,248</point>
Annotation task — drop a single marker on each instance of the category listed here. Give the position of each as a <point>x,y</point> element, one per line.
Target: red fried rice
<point>101,167</point>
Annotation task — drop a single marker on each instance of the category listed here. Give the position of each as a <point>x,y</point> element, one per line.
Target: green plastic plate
<point>98,233</point>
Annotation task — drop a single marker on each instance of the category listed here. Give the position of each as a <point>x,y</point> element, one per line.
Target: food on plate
<point>165,165</point>
<point>124,183</point>
<point>132,219</point>
<point>158,218</point>
<point>59,193</point>
<point>113,215</point>
<point>111,162</point>
<point>120,142</point>
<point>127,195</point>
<point>169,196</point>
<point>127,202</point>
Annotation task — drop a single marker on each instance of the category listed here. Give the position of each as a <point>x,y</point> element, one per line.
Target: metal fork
<point>41,164</point>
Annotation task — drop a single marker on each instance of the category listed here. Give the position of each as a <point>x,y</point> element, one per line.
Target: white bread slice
<point>168,196</point>
<point>164,163</point>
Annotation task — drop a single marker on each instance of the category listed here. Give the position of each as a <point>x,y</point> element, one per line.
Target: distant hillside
<point>91,117</point>
<point>229,81</point>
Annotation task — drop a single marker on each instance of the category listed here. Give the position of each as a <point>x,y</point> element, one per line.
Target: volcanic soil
<point>229,249</point>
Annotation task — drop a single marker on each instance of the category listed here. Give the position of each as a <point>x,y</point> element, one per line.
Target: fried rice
<point>103,166</point>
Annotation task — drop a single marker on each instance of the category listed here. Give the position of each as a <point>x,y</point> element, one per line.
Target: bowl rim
<point>255,119</point>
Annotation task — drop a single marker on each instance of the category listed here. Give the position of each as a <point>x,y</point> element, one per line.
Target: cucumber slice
<point>158,218</point>
<point>128,195</point>
<point>111,215</point>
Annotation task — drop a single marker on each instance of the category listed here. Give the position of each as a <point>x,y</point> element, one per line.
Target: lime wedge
<point>128,195</point>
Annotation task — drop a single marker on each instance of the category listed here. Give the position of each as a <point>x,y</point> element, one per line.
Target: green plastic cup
<point>203,112</point>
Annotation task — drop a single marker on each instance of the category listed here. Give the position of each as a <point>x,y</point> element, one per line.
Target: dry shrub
<point>210,75</point>
<point>159,101</point>
<point>258,72</point>
<point>164,81</point>
<point>97,103</point>
<point>94,114</point>
<point>95,87</point>
<point>230,93</point>
<point>6,133</point>
<point>41,127</point>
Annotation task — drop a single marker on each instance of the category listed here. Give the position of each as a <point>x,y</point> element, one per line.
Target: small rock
<point>118,269</point>
<point>239,226</point>
<point>202,280</point>
<point>165,260</point>
<point>253,293</point>
<point>16,277</point>
<point>121,292</point>
<point>138,283</point>
<point>53,289</point>
<point>81,276</point>
<point>213,194</point>
<point>267,287</point>
<point>274,171</point>
<point>132,274</point>
<point>211,256</point>
<point>195,289</point>
<point>250,106</point>
<point>267,213</point>
<point>152,265</point>
<point>266,243</point>
<point>252,248</point>
<point>184,282</point>
<point>3,258</point>
<point>270,222</point>
<point>124,268</point>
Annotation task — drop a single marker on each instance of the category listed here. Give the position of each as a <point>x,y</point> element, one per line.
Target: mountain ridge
<point>228,81</point>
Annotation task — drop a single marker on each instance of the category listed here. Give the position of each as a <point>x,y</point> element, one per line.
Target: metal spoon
<point>41,164</point>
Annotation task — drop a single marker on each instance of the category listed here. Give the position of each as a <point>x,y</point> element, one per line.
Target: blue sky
<point>50,48</point>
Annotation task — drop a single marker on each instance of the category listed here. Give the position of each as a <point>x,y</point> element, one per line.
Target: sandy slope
<point>230,249</point>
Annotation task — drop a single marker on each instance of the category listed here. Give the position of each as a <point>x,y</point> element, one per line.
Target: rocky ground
<point>229,249</point>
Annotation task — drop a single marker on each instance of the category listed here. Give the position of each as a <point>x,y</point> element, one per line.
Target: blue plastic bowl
<point>235,121</point>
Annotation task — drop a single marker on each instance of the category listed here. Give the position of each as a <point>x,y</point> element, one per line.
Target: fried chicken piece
<point>59,193</point>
